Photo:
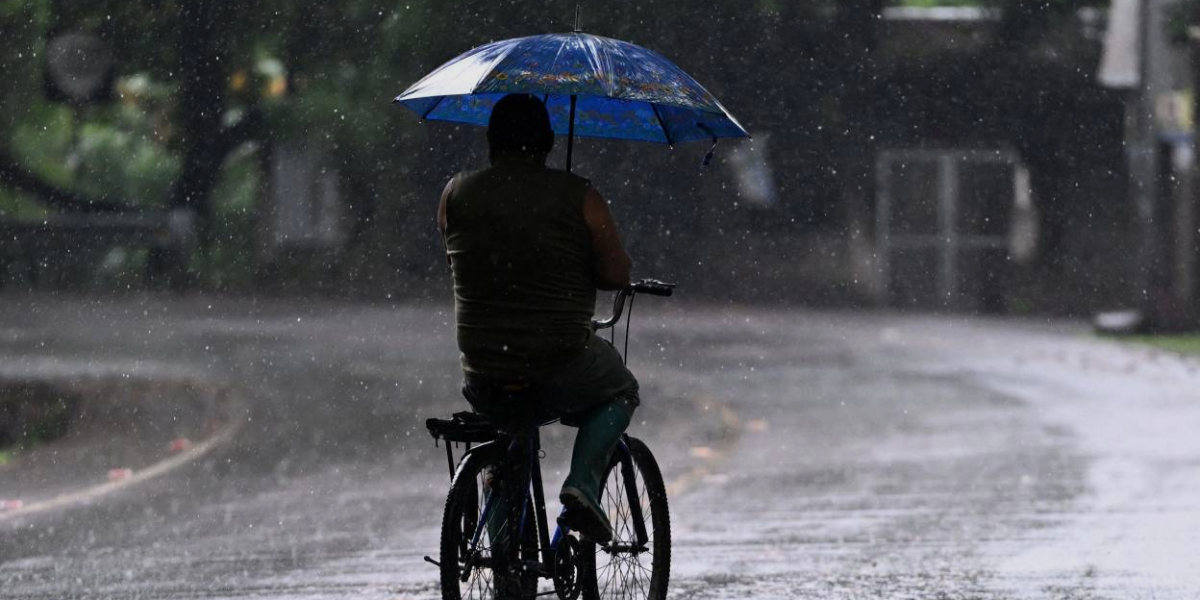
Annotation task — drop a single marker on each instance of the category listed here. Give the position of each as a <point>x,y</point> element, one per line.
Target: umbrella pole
<point>571,133</point>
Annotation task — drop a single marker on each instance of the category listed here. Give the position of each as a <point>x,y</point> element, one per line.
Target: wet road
<point>809,454</point>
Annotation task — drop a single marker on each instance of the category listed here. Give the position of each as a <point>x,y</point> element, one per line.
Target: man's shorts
<point>593,377</point>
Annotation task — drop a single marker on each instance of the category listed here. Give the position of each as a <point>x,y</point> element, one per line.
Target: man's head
<point>520,127</point>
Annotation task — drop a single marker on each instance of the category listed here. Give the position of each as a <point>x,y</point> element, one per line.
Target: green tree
<point>336,64</point>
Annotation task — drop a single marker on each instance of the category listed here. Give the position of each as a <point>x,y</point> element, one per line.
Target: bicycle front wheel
<point>637,562</point>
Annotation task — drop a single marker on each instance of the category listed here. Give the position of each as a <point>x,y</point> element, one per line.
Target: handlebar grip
<point>653,287</point>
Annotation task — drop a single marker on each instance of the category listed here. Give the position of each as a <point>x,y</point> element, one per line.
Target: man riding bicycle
<point>528,247</point>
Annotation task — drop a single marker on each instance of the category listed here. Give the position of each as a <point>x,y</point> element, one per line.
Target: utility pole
<point>1144,167</point>
<point>1189,227</point>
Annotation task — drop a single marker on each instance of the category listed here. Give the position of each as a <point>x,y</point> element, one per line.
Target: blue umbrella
<point>593,87</point>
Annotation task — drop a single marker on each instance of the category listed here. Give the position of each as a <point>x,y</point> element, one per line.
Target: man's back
<point>522,258</point>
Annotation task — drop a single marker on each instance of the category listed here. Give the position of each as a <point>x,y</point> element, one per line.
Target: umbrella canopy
<point>592,86</point>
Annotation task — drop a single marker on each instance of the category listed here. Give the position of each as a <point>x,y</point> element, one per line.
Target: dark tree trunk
<point>203,73</point>
<point>855,36</point>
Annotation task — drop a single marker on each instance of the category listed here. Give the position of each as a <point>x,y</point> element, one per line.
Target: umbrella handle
<point>571,133</point>
<point>706,129</point>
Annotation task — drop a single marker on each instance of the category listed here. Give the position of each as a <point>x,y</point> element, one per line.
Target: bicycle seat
<point>473,427</point>
<point>511,405</point>
<point>463,427</point>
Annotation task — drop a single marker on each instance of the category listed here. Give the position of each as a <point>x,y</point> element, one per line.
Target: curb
<point>153,471</point>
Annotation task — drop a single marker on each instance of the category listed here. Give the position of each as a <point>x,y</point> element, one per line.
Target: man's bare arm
<point>441,216</point>
<point>612,262</point>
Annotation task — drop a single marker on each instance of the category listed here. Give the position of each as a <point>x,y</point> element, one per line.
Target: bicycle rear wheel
<point>486,567</point>
<point>637,562</point>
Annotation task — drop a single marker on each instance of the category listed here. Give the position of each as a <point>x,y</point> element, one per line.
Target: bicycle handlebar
<point>653,287</point>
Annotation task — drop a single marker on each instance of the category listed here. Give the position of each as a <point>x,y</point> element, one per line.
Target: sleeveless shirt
<point>521,254</point>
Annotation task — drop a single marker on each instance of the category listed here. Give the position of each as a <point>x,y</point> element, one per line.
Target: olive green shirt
<point>522,258</point>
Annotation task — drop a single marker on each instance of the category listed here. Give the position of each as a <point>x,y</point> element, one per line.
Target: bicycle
<point>495,542</point>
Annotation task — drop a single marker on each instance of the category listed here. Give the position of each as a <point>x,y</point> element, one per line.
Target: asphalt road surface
<point>809,454</point>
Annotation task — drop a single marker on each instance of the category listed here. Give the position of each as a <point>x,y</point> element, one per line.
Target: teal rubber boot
<point>498,518</point>
<point>594,444</point>
<point>501,539</point>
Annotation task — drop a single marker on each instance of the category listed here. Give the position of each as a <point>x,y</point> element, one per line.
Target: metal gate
<point>943,221</point>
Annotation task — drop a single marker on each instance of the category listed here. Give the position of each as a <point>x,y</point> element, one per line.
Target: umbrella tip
<point>577,11</point>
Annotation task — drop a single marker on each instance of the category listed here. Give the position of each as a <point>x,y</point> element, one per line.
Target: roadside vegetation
<point>1183,344</point>
<point>32,414</point>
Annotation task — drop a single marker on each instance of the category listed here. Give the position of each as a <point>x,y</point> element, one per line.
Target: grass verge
<point>1184,344</point>
<point>33,413</point>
